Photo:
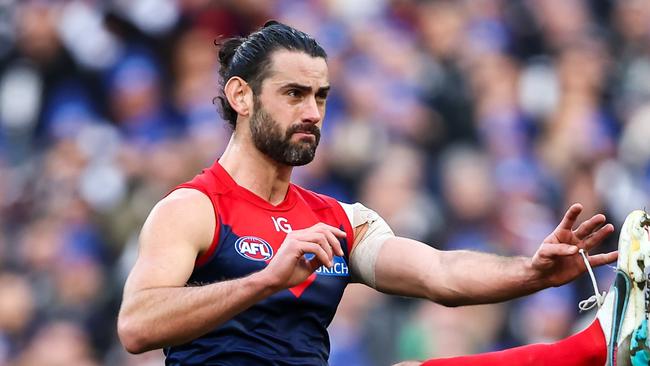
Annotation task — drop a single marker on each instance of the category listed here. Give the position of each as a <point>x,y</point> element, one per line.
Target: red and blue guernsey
<point>289,327</point>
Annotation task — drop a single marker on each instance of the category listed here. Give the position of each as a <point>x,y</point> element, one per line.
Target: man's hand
<point>557,261</point>
<point>289,267</point>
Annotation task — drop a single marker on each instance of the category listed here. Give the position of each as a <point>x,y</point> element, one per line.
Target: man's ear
<point>239,95</point>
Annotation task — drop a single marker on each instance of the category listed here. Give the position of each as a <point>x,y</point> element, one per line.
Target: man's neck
<point>255,171</point>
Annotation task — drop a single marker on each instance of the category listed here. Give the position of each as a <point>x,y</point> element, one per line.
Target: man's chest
<point>250,237</point>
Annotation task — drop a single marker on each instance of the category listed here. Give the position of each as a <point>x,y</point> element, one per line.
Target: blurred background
<point>466,124</point>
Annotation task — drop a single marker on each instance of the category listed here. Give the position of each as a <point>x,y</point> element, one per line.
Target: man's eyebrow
<point>323,89</point>
<point>306,88</point>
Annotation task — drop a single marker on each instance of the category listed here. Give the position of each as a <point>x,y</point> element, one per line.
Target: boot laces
<point>594,300</point>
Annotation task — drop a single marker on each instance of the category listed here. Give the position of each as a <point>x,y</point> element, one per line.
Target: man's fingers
<point>319,253</point>
<point>323,234</point>
<point>337,232</point>
<point>588,226</point>
<point>334,230</point>
<point>334,243</point>
<point>597,237</point>
<point>570,217</point>
<point>320,227</point>
<point>321,240</point>
<point>600,259</point>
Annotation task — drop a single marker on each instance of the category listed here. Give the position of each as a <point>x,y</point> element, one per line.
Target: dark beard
<point>269,139</point>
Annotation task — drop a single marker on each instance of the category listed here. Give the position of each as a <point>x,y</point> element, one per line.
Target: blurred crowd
<point>466,124</point>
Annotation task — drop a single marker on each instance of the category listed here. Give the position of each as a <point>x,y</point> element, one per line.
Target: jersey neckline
<point>224,177</point>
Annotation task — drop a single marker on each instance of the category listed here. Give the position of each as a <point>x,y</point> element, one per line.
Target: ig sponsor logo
<point>254,248</point>
<point>281,224</point>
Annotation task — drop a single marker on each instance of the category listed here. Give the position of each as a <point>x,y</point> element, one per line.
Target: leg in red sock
<point>586,348</point>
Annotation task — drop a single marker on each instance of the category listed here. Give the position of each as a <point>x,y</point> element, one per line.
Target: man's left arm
<point>411,268</point>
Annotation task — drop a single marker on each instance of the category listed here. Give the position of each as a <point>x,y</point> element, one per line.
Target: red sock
<point>586,348</point>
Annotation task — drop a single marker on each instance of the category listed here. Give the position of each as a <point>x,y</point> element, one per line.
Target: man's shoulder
<point>184,199</point>
<point>185,215</point>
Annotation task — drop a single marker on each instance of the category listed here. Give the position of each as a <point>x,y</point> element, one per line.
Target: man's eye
<point>293,93</point>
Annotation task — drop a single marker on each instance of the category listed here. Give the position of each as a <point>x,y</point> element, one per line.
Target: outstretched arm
<point>408,267</point>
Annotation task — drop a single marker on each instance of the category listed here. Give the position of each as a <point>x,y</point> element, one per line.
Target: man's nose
<point>311,111</point>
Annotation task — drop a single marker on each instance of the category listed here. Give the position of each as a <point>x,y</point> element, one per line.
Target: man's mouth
<point>305,133</point>
<point>304,136</point>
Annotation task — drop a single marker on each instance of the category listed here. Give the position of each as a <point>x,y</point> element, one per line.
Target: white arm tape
<point>364,255</point>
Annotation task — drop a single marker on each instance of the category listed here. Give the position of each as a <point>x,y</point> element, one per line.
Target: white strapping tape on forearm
<point>366,250</point>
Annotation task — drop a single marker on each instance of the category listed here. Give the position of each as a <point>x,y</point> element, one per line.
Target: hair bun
<point>227,51</point>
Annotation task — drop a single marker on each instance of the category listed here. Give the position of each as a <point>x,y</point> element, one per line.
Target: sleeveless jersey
<point>289,327</point>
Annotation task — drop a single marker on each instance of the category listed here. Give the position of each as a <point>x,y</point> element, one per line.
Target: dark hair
<point>250,57</point>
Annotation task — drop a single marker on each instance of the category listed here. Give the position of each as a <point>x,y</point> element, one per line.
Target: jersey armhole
<point>205,257</point>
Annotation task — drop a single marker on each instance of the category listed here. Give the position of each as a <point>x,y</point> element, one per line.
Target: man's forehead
<point>298,67</point>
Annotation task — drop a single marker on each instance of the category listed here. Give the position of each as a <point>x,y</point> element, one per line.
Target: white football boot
<point>624,312</point>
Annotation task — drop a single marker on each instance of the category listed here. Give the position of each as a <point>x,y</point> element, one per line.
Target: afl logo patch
<point>254,248</point>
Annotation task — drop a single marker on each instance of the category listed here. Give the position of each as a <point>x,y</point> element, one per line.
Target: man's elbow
<point>448,297</point>
<point>452,303</point>
<point>132,335</point>
<point>445,301</point>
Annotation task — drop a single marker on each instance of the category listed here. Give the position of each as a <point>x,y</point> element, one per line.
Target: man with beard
<point>241,267</point>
